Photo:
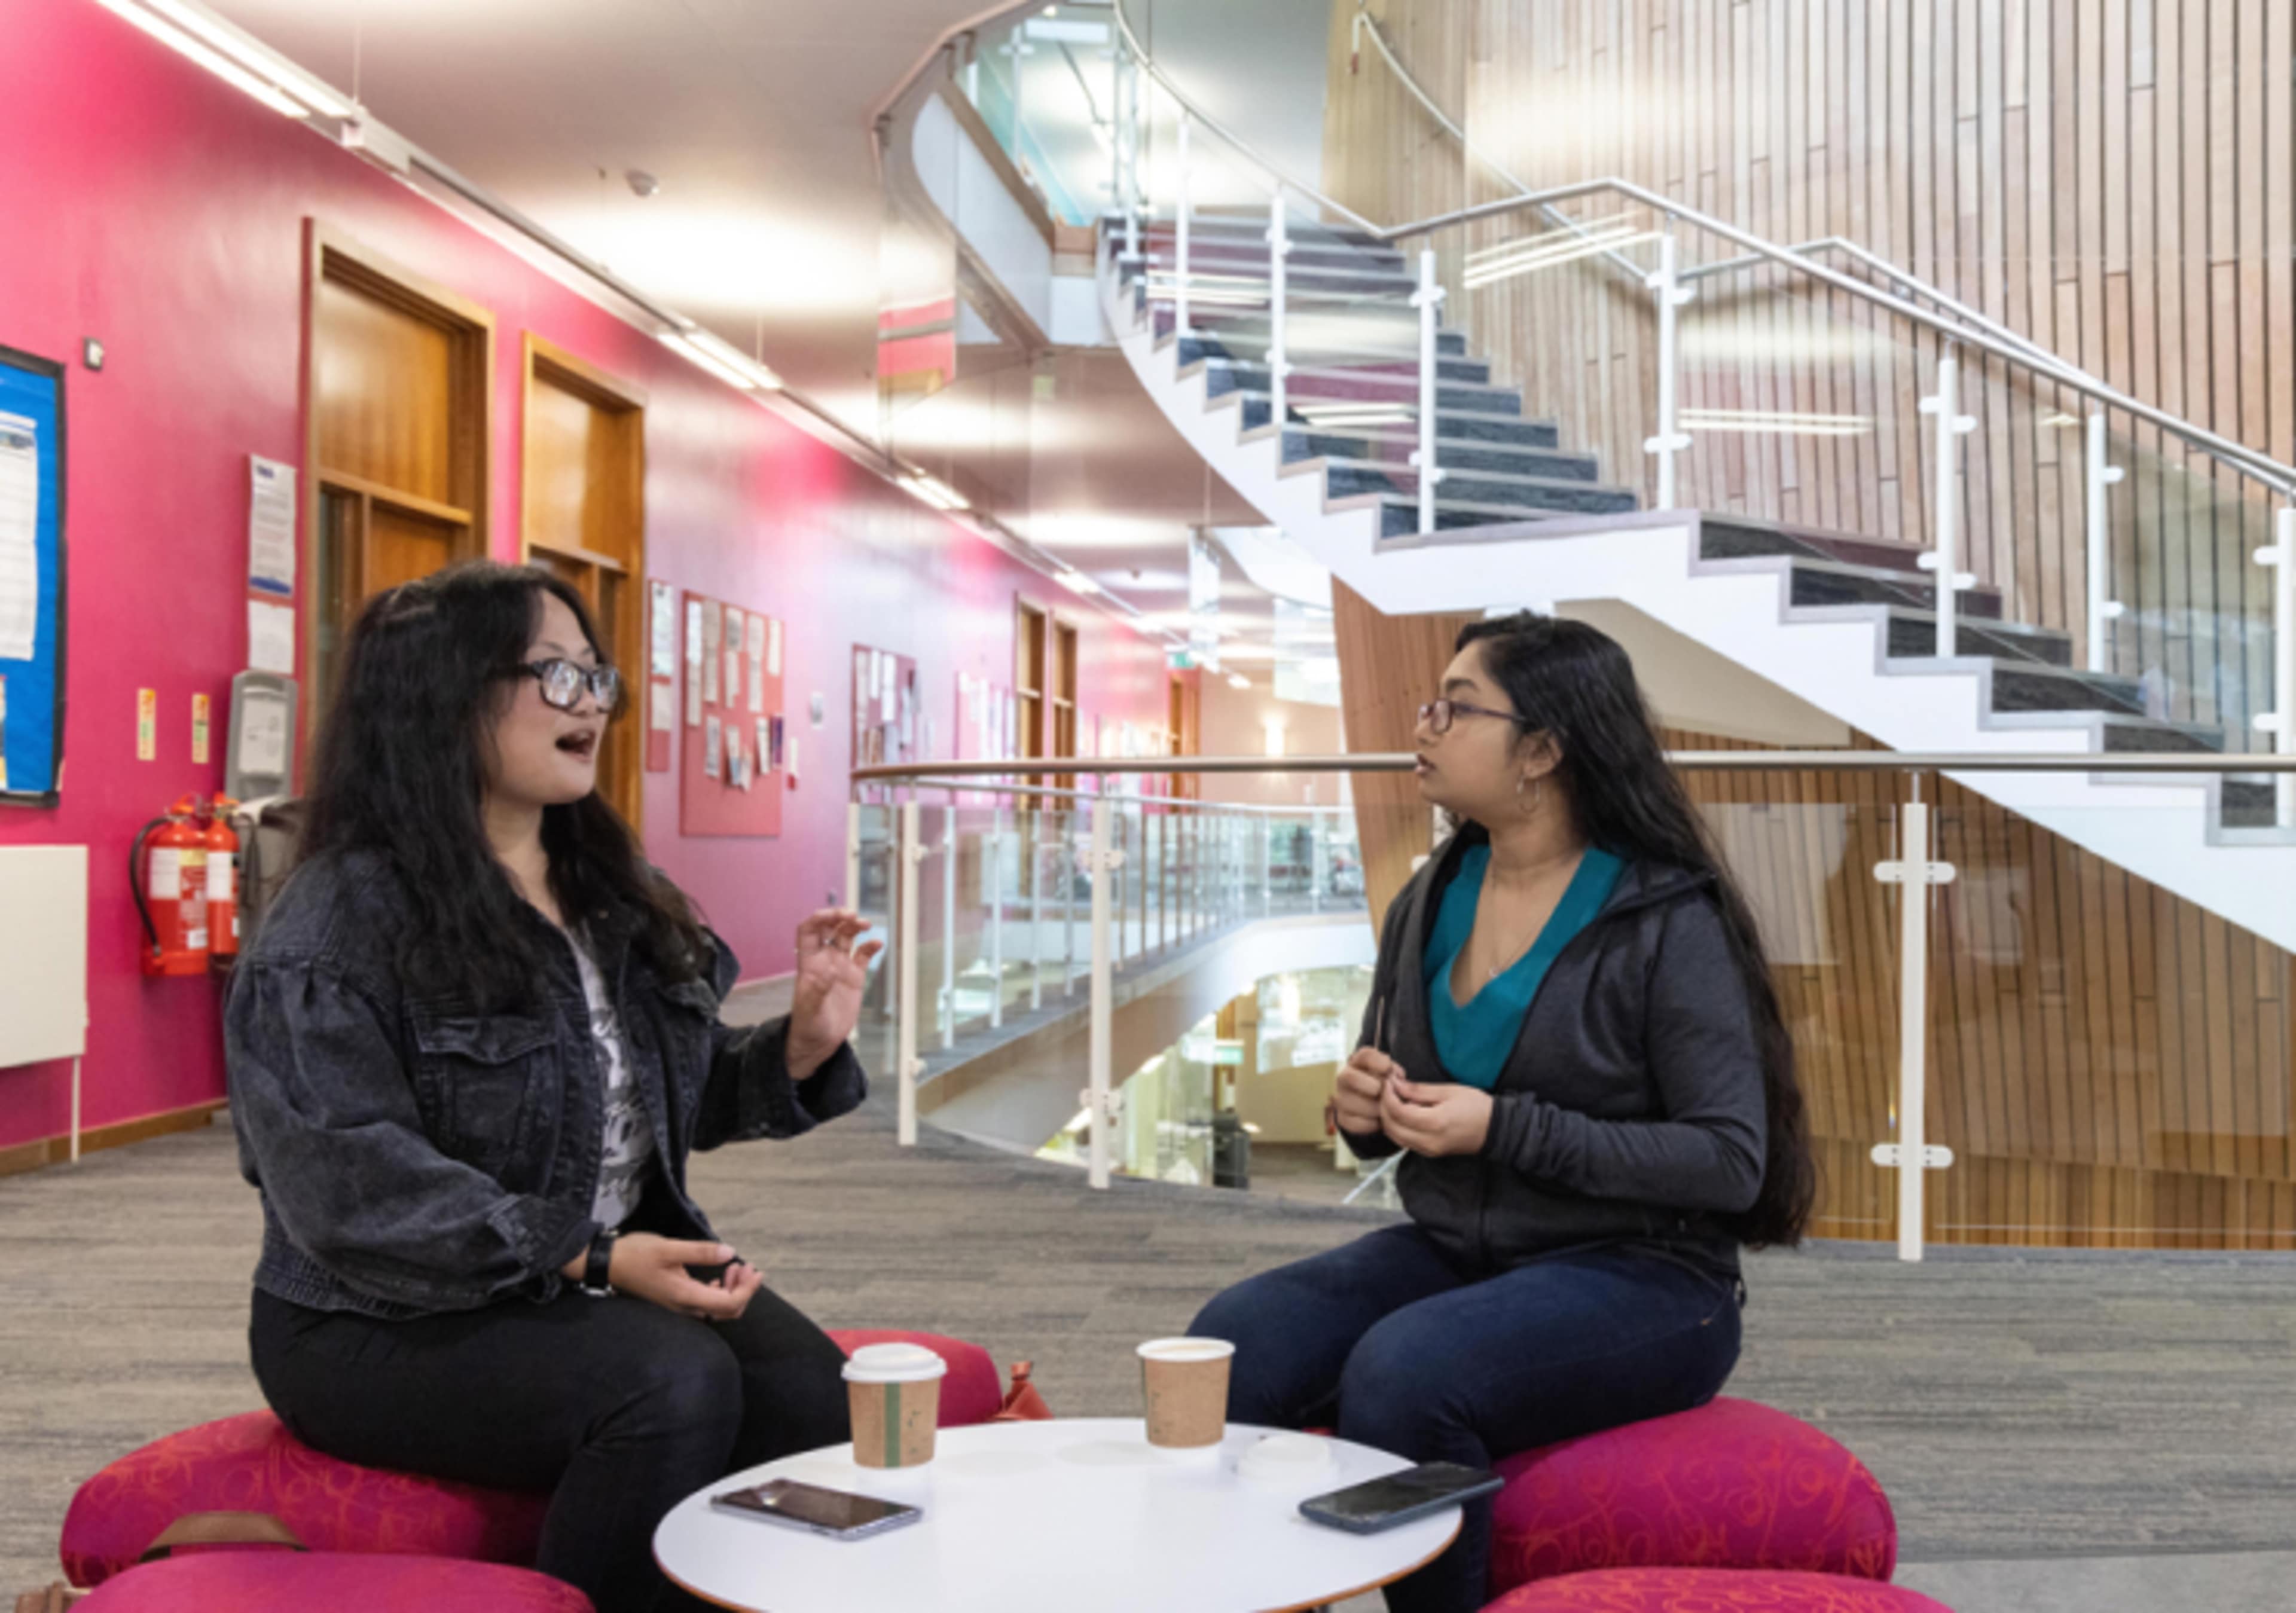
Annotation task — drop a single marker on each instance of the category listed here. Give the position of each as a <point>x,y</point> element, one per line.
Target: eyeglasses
<point>1436,715</point>
<point>562,683</point>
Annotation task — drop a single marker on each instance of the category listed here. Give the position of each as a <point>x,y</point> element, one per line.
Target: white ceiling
<point>769,222</point>
<point>753,114</point>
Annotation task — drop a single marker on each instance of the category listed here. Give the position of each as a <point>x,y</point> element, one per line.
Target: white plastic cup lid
<point>895,1363</point>
<point>1186,1349</point>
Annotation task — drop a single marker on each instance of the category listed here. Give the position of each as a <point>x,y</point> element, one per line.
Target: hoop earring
<point>1537,790</point>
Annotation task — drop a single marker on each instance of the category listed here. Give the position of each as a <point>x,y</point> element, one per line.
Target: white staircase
<point>1845,623</point>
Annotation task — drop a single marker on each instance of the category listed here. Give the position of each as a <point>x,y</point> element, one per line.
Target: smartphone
<point>1383,1503</point>
<point>836,1513</point>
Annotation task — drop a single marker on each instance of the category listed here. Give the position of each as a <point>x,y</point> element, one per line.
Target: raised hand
<point>831,974</point>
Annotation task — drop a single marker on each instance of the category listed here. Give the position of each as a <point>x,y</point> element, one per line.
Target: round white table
<point>1049,1518</point>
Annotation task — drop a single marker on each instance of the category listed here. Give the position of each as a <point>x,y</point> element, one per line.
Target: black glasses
<point>1436,715</point>
<point>562,683</point>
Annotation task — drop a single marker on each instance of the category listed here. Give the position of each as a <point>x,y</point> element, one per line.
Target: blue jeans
<point>1390,1342</point>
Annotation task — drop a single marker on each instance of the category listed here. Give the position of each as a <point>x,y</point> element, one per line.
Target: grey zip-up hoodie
<point>1632,1107</point>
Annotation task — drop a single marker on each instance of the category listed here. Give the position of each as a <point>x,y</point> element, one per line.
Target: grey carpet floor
<point>2012,1405</point>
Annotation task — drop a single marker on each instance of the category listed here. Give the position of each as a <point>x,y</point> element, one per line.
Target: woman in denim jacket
<point>470,1051</point>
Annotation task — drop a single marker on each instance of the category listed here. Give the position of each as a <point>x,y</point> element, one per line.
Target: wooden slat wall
<point>2112,1066</point>
<point>2115,178</point>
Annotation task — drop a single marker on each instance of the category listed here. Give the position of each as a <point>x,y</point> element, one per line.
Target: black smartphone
<point>836,1513</point>
<point>1383,1503</point>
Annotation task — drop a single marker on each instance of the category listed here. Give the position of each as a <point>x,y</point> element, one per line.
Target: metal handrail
<point>2261,467</point>
<point>1228,136</point>
<point>2137,762</point>
<point>1365,22</point>
<point>1963,324</point>
<point>1042,792</point>
<point>1981,332</point>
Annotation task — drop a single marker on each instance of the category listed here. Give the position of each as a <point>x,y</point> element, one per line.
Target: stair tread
<point>1409,472</point>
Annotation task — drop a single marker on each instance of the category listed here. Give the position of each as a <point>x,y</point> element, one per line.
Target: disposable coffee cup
<point>1184,1381</point>
<point>895,1390</point>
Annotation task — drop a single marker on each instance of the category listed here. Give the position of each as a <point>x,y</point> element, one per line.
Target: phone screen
<point>804,1503</point>
<point>1376,1498</point>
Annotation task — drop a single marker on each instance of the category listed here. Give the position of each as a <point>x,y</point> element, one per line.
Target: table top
<point>1050,1517</point>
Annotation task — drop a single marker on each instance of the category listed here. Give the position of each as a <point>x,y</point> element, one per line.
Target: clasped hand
<point>1372,1095</point>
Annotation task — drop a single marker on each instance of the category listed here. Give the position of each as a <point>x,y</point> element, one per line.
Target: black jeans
<point>617,1407</point>
<point>1403,1351</point>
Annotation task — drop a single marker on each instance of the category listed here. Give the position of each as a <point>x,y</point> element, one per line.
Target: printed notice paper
<point>19,555</point>
<point>271,637</point>
<point>713,745</point>
<point>271,526</point>
<point>774,650</point>
<point>665,708</point>
<point>665,630</point>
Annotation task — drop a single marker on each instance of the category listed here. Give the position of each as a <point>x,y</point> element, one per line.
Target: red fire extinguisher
<point>223,883</point>
<point>168,870</point>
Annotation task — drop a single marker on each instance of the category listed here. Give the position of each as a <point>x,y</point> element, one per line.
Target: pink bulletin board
<point>733,720</point>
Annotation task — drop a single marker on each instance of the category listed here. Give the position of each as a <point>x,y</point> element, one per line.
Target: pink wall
<point>161,211</point>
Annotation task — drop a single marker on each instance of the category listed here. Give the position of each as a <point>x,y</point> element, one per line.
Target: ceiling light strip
<point>222,67</point>
<point>254,55</point>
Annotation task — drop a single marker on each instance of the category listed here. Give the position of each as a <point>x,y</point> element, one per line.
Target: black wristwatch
<point>600,1263</point>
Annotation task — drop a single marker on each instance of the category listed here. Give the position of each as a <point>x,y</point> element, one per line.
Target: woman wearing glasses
<point>1573,1042</point>
<point>470,1051</point>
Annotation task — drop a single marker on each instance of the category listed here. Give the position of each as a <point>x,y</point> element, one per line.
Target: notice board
<point>31,579</point>
<point>738,757</point>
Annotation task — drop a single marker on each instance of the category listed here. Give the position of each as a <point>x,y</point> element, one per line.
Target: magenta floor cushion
<point>1712,1591</point>
<point>295,1582</point>
<point>250,1463</point>
<point>1732,1485</point>
<point>971,1393</point>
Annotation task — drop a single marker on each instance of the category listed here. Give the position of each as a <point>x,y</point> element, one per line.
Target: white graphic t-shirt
<point>627,1158</point>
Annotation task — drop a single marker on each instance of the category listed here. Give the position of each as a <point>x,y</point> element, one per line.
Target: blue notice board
<point>31,578</point>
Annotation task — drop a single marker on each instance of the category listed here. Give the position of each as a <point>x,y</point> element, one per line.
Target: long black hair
<point>1576,686</point>
<point>400,770</point>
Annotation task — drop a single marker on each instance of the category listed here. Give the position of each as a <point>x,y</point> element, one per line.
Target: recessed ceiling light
<point>640,183</point>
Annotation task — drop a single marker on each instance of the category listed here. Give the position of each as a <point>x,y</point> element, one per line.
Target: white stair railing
<point>2102,607</point>
<point>1944,559</point>
<point>1428,300</point>
<point>2279,721</point>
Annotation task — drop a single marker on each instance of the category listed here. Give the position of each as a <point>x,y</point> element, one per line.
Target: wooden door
<point>398,372</point>
<point>584,521</point>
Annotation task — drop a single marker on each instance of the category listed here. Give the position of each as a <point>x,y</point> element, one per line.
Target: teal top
<point>1473,1041</point>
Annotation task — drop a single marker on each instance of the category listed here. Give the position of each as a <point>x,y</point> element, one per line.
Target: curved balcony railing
<point>1994,1027</point>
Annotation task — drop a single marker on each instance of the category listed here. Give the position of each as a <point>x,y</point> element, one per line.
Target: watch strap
<point>600,1263</point>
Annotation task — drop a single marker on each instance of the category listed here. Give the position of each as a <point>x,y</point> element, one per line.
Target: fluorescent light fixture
<point>1077,582</point>
<point>1272,732</point>
<point>1236,680</point>
<point>724,360</point>
<point>221,66</point>
<point>701,357</point>
<point>934,491</point>
<point>250,54</point>
<point>1775,422</point>
<point>1522,257</point>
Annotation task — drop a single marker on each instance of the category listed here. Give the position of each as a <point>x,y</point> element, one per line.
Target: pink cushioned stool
<point>250,1463</point>
<point>273,1581</point>
<point>1732,1485</point>
<point>1712,1591</point>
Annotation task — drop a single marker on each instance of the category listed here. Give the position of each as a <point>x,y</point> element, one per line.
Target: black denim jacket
<point>416,1157</point>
